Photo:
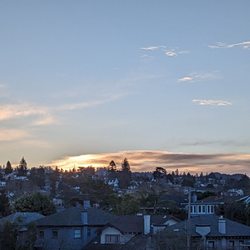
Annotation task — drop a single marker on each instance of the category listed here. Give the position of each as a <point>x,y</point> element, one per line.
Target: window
<point>212,209</point>
<point>204,209</point>
<point>210,244</point>
<point>112,238</point>
<point>199,209</point>
<point>89,232</point>
<point>54,234</point>
<point>41,234</point>
<point>194,209</point>
<point>208,209</point>
<point>231,244</point>
<point>241,242</point>
<point>77,233</point>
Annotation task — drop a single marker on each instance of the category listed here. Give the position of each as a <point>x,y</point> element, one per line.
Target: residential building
<point>214,232</point>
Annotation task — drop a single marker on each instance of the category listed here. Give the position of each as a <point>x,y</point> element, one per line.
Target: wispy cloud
<point>195,77</point>
<point>170,52</point>
<point>23,110</point>
<point>153,48</point>
<point>89,104</point>
<point>221,45</point>
<point>210,102</point>
<point>47,115</point>
<point>7,135</point>
<point>141,160</point>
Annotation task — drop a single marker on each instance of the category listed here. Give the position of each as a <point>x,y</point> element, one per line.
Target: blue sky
<point>91,77</point>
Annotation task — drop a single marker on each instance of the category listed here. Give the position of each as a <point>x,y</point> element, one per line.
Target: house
<point>122,229</point>
<point>74,227</point>
<point>161,222</point>
<point>23,222</point>
<point>206,206</point>
<point>214,232</point>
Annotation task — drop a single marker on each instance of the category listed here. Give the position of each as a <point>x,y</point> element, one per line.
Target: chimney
<point>146,220</point>
<point>86,204</point>
<point>222,225</point>
<point>84,217</point>
<point>194,197</point>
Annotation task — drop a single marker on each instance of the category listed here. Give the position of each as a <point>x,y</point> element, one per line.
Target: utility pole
<point>188,221</point>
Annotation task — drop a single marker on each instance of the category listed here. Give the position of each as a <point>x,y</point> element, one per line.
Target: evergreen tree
<point>125,174</point>
<point>22,168</point>
<point>125,165</point>
<point>8,169</point>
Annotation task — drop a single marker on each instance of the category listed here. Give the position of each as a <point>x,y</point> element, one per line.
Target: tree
<point>126,205</point>
<point>4,204</point>
<point>125,165</point>
<point>8,236</point>
<point>124,175</point>
<point>188,180</point>
<point>37,176</point>
<point>35,202</point>
<point>22,168</point>
<point>159,173</point>
<point>8,169</point>
<point>112,166</point>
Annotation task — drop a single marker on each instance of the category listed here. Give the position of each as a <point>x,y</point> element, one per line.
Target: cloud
<point>186,79</point>
<point>24,110</point>
<point>7,135</point>
<point>220,45</point>
<point>142,160</point>
<point>89,104</point>
<point>209,102</point>
<point>195,77</point>
<point>170,52</point>
<point>45,115</point>
<point>153,48</point>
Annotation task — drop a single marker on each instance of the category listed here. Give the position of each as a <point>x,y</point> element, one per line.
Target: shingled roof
<point>233,229</point>
<point>72,217</point>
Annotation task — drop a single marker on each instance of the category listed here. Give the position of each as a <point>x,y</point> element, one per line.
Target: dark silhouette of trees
<point>22,168</point>
<point>159,173</point>
<point>8,169</point>
<point>112,166</point>
<point>4,204</point>
<point>37,176</point>
<point>124,175</point>
<point>188,180</point>
<point>112,171</point>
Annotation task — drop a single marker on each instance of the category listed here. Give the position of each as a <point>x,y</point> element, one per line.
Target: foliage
<point>159,173</point>
<point>34,203</point>
<point>237,211</point>
<point>169,240</point>
<point>4,204</point>
<point>8,169</point>
<point>124,175</point>
<point>188,180</point>
<point>22,168</point>
<point>8,237</point>
<point>126,205</point>
<point>201,196</point>
<point>37,176</point>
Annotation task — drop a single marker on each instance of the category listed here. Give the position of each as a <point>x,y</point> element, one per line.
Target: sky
<point>88,81</point>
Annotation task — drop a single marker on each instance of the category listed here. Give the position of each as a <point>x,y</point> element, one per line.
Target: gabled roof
<point>21,218</point>
<point>129,223</point>
<point>162,219</point>
<point>233,228</point>
<point>72,217</point>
